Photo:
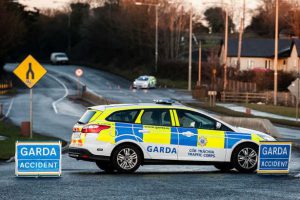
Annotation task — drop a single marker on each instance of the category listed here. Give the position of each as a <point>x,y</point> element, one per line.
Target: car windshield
<point>143,78</point>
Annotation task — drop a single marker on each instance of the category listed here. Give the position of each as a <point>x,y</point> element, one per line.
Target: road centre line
<point>9,109</point>
<point>60,99</point>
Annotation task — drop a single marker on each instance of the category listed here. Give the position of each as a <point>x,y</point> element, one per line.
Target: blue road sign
<point>38,158</point>
<point>274,157</point>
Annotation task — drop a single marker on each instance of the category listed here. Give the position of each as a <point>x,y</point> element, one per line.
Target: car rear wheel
<point>105,166</point>
<point>245,158</point>
<point>126,158</point>
<point>224,166</point>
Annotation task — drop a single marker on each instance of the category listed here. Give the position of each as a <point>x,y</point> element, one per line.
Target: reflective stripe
<point>108,135</point>
<point>157,135</point>
<point>176,118</point>
<point>211,139</point>
<point>172,118</point>
<point>231,138</point>
<point>256,138</point>
<point>139,118</point>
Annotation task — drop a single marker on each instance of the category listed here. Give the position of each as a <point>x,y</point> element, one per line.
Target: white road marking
<point>74,79</point>
<point>60,99</point>
<point>9,109</point>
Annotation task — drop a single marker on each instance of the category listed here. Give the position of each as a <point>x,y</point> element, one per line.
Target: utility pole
<point>240,46</point>
<point>225,50</point>
<point>156,29</point>
<point>241,32</point>
<point>276,56</point>
<point>190,51</point>
<point>156,37</point>
<point>200,64</point>
<point>69,33</point>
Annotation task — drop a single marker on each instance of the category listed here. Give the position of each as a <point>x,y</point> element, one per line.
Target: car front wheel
<point>245,158</point>
<point>126,158</point>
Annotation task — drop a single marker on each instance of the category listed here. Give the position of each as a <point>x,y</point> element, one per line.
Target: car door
<point>160,138</point>
<point>199,137</point>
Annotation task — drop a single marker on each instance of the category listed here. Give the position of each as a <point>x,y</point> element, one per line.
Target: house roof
<point>264,48</point>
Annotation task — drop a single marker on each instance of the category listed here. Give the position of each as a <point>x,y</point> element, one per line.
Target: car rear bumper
<point>84,154</point>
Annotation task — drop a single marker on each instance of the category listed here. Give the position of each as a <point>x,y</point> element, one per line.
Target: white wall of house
<point>293,60</point>
<point>247,63</point>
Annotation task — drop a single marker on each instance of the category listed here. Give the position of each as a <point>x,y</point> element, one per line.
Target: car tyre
<point>105,166</point>
<point>245,158</point>
<point>224,167</point>
<point>126,158</point>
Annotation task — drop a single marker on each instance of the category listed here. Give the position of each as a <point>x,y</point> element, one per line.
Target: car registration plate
<point>76,135</point>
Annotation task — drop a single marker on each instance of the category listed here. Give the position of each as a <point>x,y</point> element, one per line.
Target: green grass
<point>227,112</point>
<point>172,84</point>
<point>7,147</point>
<point>278,110</point>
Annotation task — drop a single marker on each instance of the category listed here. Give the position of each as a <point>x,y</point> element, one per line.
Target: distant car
<point>145,82</point>
<point>59,58</point>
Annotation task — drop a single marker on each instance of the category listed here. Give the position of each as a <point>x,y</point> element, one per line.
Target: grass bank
<point>277,110</point>
<point>225,111</point>
<point>12,132</point>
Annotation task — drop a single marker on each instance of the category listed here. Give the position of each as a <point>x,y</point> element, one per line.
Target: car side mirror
<point>218,125</point>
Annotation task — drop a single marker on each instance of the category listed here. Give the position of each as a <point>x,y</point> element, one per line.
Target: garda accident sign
<point>274,157</point>
<point>38,158</point>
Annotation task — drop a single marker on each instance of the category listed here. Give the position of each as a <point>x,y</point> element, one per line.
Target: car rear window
<point>87,116</point>
<point>143,78</point>
<point>126,116</point>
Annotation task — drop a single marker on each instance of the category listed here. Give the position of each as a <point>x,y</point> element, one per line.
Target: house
<point>259,54</point>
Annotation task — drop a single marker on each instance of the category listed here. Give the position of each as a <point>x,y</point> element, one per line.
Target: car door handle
<point>188,134</point>
<point>144,131</point>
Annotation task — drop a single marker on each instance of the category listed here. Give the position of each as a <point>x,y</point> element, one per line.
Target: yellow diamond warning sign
<point>30,71</point>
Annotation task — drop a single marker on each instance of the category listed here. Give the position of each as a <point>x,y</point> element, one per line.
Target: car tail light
<point>94,128</point>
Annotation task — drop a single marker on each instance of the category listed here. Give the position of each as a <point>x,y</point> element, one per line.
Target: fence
<point>236,86</point>
<point>283,98</point>
<point>243,97</point>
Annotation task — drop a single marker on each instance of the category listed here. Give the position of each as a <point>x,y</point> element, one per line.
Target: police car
<point>144,82</point>
<point>122,137</point>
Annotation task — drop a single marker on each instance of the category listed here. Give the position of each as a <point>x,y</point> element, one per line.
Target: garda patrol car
<point>122,137</point>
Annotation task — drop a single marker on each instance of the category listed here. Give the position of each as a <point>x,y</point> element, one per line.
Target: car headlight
<point>266,137</point>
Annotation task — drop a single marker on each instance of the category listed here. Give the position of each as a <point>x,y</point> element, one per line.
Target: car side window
<point>190,119</point>
<point>156,117</point>
<point>126,116</point>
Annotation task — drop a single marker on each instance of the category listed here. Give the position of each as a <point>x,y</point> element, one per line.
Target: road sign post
<point>274,157</point>
<point>38,159</point>
<point>294,88</point>
<point>78,73</point>
<point>30,71</point>
<point>31,112</point>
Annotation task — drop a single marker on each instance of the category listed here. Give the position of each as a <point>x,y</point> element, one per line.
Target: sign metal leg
<point>30,113</point>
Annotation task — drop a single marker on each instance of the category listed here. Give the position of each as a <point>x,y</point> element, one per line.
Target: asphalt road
<point>55,115</point>
<point>82,180</point>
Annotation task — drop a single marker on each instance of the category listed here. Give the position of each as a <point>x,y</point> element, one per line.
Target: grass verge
<point>12,132</point>
<point>225,111</point>
<point>277,110</point>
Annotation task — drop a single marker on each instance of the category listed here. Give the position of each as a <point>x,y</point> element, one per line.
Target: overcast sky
<point>235,6</point>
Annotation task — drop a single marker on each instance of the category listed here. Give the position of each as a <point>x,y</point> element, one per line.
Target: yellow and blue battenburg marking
<point>175,136</point>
